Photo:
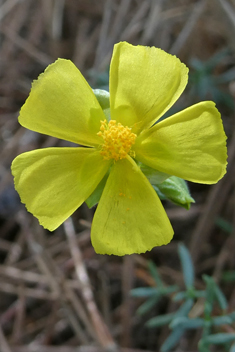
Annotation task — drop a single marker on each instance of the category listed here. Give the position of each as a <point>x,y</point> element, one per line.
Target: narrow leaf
<point>144,291</point>
<point>220,338</point>
<point>216,321</point>
<point>220,298</point>
<point>160,320</point>
<point>154,273</point>
<point>187,266</point>
<point>172,340</point>
<point>149,304</point>
<point>186,323</point>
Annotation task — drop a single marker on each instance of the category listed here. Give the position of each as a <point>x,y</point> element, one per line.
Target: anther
<point>117,140</point>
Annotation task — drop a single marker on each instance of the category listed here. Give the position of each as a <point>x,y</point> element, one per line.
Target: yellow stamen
<point>118,140</point>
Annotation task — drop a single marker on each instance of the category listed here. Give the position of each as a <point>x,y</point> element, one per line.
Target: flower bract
<point>144,83</point>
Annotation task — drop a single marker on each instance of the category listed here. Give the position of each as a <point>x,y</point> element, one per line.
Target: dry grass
<point>56,294</point>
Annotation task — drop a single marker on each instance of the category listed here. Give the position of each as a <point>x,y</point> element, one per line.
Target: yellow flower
<point>144,83</point>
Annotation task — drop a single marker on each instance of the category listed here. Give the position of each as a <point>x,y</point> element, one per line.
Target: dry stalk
<point>127,313</point>
<point>188,27</point>
<point>215,202</point>
<point>4,347</point>
<point>29,49</point>
<point>102,332</point>
<point>7,7</point>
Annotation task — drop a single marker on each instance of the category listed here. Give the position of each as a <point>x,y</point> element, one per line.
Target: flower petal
<point>62,104</point>
<point>190,144</point>
<point>144,83</point>
<point>130,217</point>
<point>54,182</point>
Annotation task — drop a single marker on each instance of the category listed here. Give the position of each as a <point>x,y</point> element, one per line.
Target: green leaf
<point>217,339</point>
<point>224,225</point>
<point>228,275</point>
<point>176,334</point>
<point>172,340</point>
<point>160,320</point>
<point>94,198</point>
<point>191,293</point>
<point>180,296</point>
<point>186,323</point>
<point>216,59</point>
<point>144,291</point>
<point>220,298</point>
<point>146,306</point>
<point>205,83</point>
<point>225,77</point>
<point>232,349</point>
<point>169,289</point>
<point>210,296</point>
<point>176,190</point>
<point>185,308</point>
<point>154,273</point>
<point>213,292</point>
<point>232,316</point>
<point>187,266</point>
<point>217,321</point>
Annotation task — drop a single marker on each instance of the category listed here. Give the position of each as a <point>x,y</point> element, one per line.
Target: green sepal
<point>95,196</point>
<point>154,176</point>
<point>176,190</point>
<point>168,187</point>
<point>103,98</point>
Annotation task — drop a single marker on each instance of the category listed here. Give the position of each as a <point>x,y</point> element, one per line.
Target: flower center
<point>118,140</point>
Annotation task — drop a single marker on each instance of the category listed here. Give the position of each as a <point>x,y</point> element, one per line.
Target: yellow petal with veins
<point>130,217</point>
<point>54,182</point>
<point>190,144</point>
<point>144,83</point>
<point>62,104</point>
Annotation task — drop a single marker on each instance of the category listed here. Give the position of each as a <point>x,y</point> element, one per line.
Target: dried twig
<point>103,334</point>
<point>7,7</point>
<point>103,33</point>
<point>215,201</point>
<point>188,27</point>
<point>127,285</point>
<point>228,14</point>
<point>152,21</point>
<point>40,57</point>
<point>3,342</point>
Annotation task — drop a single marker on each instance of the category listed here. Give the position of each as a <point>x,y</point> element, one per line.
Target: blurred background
<point>56,294</point>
